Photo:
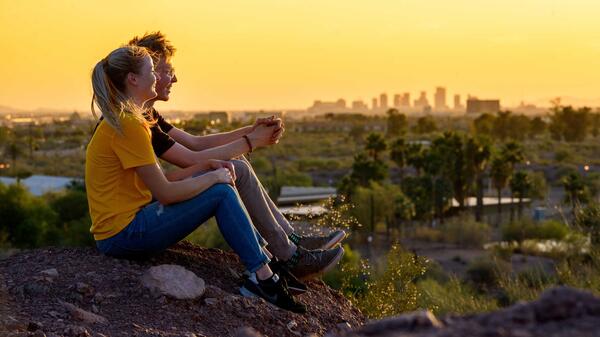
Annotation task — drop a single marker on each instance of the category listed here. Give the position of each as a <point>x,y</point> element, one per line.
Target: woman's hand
<point>222,176</point>
<point>215,164</point>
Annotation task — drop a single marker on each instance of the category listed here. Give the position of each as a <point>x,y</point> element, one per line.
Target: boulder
<point>174,281</point>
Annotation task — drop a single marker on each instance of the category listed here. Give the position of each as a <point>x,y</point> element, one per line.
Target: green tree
<point>537,127</point>
<point>398,154</point>
<point>513,153</point>
<point>375,145</point>
<point>14,151</point>
<point>484,124</point>
<point>381,203</point>
<point>499,173</point>
<point>365,170</point>
<point>25,219</point>
<point>576,191</point>
<point>569,124</point>
<point>425,125</point>
<point>397,123</point>
<point>520,186</point>
<point>478,152</point>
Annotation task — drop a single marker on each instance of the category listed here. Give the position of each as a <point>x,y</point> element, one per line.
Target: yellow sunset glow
<point>240,54</point>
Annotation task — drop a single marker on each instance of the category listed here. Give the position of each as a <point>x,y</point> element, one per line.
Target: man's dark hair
<point>156,43</point>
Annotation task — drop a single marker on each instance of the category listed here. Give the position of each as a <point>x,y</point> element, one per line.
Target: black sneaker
<point>295,286</point>
<point>273,290</point>
<point>318,242</point>
<point>307,264</point>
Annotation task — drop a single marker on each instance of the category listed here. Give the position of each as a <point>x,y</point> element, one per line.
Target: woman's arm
<point>169,192</point>
<point>187,172</point>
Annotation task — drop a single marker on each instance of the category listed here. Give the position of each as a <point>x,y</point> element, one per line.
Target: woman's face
<point>145,81</point>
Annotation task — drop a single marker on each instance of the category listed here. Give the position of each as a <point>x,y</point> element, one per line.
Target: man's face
<point>167,78</point>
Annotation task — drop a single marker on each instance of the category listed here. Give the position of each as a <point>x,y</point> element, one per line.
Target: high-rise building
<point>405,100</point>
<point>374,105</point>
<point>422,101</point>
<point>397,100</point>
<point>359,106</point>
<point>325,107</point>
<point>457,105</point>
<point>383,101</point>
<point>440,98</point>
<point>477,106</point>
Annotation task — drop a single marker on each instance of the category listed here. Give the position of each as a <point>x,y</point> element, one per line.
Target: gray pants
<point>269,221</point>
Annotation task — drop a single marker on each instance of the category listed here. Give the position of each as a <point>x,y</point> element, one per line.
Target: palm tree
<point>375,145</point>
<point>575,189</point>
<point>478,152</point>
<point>513,153</point>
<point>415,156</point>
<point>398,154</point>
<point>14,151</point>
<point>520,185</point>
<point>499,172</point>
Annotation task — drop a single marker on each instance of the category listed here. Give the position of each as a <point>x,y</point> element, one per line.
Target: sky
<point>284,54</point>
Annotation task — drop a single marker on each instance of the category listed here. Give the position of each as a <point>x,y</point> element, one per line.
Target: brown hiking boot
<point>307,264</point>
<point>318,242</point>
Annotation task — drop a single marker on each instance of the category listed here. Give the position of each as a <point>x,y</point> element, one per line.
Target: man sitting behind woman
<point>123,175</point>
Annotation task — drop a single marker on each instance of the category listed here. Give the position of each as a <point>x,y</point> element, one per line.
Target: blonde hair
<point>108,83</point>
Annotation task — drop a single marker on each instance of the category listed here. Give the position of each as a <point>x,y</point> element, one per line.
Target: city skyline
<point>283,55</point>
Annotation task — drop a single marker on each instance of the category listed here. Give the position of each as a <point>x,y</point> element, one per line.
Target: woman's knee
<point>223,190</point>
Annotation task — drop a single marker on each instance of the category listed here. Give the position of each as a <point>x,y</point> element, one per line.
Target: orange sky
<point>237,54</point>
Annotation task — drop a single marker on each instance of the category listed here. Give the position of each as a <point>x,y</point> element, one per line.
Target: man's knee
<point>242,170</point>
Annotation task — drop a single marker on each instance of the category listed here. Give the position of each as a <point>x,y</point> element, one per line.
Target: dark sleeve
<point>161,141</point>
<point>164,125</point>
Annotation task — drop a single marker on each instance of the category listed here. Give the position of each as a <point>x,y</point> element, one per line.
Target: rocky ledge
<point>185,291</point>
<point>559,312</point>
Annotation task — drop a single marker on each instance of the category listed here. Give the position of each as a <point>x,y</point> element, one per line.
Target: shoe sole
<point>247,293</point>
<point>334,241</point>
<point>296,291</point>
<point>327,268</point>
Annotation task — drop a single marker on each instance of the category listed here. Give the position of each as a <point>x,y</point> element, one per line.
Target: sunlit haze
<point>286,54</point>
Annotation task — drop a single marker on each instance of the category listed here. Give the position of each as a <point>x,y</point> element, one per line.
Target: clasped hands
<point>266,131</point>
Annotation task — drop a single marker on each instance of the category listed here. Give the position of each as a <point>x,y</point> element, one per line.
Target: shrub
<point>588,219</point>
<point>379,292</point>
<point>424,233</point>
<point>350,275</point>
<point>485,273</point>
<point>465,232</point>
<point>452,297</point>
<point>527,229</point>
<point>392,290</point>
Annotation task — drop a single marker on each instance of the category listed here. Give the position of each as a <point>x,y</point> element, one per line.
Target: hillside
<point>93,295</point>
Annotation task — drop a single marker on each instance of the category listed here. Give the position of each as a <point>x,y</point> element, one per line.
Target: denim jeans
<point>157,227</point>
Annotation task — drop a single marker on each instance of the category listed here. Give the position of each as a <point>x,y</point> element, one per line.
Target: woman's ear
<point>132,79</point>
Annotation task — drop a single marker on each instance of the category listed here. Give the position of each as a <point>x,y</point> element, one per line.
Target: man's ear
<point>132,79</point>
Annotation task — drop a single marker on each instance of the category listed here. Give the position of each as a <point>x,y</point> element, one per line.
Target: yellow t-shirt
<point>115,192</point>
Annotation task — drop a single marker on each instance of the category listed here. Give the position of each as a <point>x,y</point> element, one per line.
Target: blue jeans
<point>157,227</point>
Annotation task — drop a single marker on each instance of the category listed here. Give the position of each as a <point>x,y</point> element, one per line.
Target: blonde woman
<point>122,177</point>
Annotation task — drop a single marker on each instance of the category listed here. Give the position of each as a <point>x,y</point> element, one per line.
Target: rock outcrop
<point>79,292</point>
<point>559,312</point>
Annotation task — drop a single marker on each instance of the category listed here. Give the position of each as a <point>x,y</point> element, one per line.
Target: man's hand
<point>275,123</point>
<point>215,164</point>
<point>266,121</point>
<point>263,136</point>
<point>278,132</point>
